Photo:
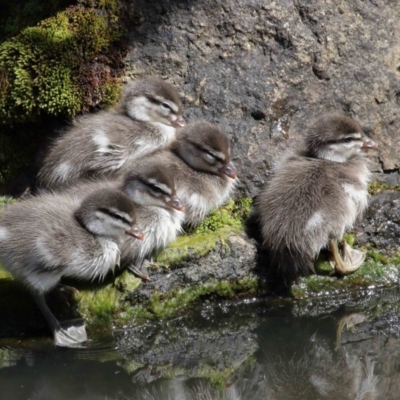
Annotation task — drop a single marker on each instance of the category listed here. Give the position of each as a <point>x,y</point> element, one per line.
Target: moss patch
<point>67,64</point>
<point>5,201</point>
<point>179,300</point>
<point>230,215</point>
<point>56,68</point>
<point>377,271</point>
<point>106,306</point>
<point>378,187</point>
<point>16,15</point>
<point>100,306</point>
<point>4,275</point>
<point>196,244</point>
<point>219,225</point>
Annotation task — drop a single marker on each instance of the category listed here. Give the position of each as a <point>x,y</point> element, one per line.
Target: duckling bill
<point>314,197</point>
<point>159,211</point>
<point>51,236</point>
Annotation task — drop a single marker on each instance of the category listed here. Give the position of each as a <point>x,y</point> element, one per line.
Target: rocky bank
<point>262,70</point>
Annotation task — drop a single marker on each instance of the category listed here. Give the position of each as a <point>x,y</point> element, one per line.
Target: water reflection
<point>250,351</point>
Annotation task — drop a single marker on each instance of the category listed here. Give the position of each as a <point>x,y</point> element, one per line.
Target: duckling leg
<point>150,263</point>
<point>349,261</point>
<point>67,333</point>
<point>347,321</point>
<point>67,289</point>
<point>140,271</point>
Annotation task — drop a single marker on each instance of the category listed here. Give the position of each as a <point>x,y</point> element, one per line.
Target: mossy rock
<point>54,67</point>
<point>378,271</point>
<point>67,64</point>
<point>379,187</point>
<point>17,15</point>
<point>111,304</point>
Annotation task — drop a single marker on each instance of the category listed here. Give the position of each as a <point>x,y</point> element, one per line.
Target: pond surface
<point>253,349</point>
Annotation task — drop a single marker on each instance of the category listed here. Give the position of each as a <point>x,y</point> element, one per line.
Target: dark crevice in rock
<point>258,115</point>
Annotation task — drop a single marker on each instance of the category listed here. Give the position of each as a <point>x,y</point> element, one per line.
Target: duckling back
<point>306,203</point>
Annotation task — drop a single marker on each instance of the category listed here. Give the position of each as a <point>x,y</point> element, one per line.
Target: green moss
<point>48,68</point>
<point>350,238</point>
<point>232,214</point>
<point>179,300</point>
<point>17,15</point>
<point>196,244</point>
<point>217,378</point>
<point>378,187</point>
<point>100,305</point>
<point>5,201</point>
<point>377,271</point>
<point>67,64</point>
<point>4,275</point>
<point>106,306</point>
<point>218,226</point>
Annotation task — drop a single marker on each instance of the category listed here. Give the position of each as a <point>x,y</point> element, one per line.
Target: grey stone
<point>230,260</point>
<point>263,70</point>
<point>381,224</point>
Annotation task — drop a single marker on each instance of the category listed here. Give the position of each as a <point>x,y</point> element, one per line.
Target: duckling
<point>45,238</point>
<point>200,162</point>
<point>100,144</point>
<point>159,211</point>
<point>314,197</point>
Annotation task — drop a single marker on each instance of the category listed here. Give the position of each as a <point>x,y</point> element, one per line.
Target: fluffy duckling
<point>159,211</point>
<point>48,237</point>
<point>313,198</point>
<point>199,160</point>
<point>100,144</point>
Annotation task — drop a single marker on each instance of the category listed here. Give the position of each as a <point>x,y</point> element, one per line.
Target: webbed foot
<point>141,271</point>
<point>348,322</point>
<point>70,333</point>
<point>346,261</point>
<point>67,289</point>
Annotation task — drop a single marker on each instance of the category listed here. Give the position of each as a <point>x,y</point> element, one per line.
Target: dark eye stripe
<point>167,106</point>
<point>158,102</point>
<point>204,150</point>
<point>154,188</point>
<point>350,139</point>
<point>344,140</point>
<point>114,215</point>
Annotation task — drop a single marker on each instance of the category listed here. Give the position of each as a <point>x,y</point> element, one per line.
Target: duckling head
<point>152,100</point>
<point>204,147</point>
<point>109,213</point>
<point>336,137</point>
<point>150,185</point>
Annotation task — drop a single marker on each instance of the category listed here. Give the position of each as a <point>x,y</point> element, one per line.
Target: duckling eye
<point>348,140</point>
<point>210,157</point>
<point>166,106</point>
<point>157,191</point>
<point>114,215</point>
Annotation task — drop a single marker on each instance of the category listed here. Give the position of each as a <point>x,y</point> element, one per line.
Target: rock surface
<point>381,224</point>
<point>231,260</point>
<point>263,69</point>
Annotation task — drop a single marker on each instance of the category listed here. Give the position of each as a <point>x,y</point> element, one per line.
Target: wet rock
<point>231,260</point>
<point>381,224</point>
<point>263,70</point>
<point>206,339</point>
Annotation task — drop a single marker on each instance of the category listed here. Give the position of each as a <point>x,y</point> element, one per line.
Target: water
<point>258,349</point>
